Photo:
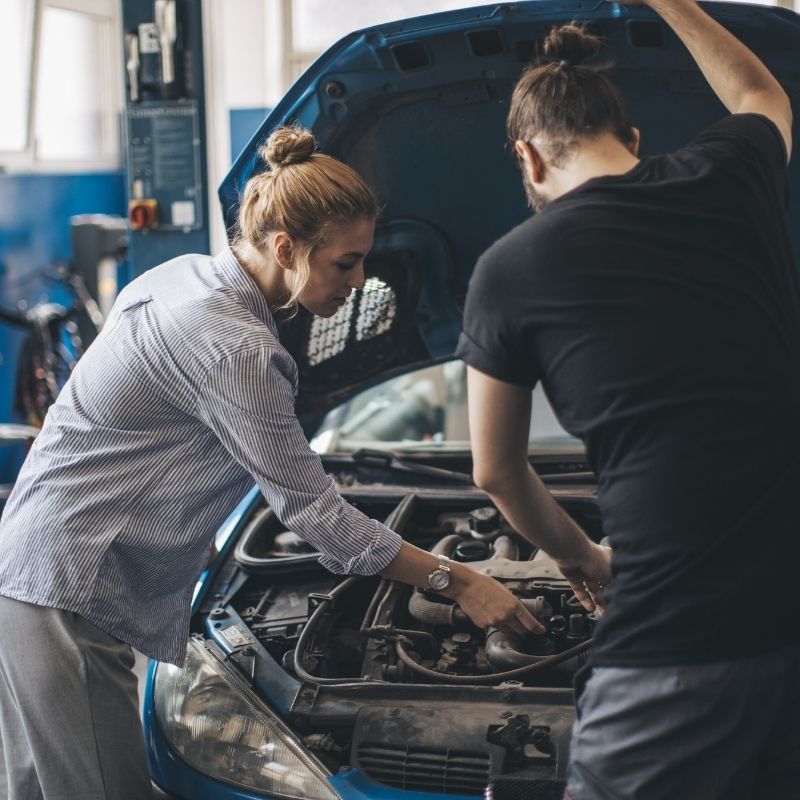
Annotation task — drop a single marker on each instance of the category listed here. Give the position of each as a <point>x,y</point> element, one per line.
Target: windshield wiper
<point>383,459</point>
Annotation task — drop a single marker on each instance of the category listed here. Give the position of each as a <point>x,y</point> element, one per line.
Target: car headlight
<point>213,721</point>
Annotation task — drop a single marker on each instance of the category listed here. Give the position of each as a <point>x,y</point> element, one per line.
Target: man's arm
<point>499,421</point>
<point>737,76</point>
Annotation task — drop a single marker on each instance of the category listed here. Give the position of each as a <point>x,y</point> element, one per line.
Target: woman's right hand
<point>489,604</point>
<point>483,599</point>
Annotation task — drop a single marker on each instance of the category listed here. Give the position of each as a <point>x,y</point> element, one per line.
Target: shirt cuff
<point>379,553</point>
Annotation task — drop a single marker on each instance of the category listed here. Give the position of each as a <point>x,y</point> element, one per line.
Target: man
<point>658,303</point>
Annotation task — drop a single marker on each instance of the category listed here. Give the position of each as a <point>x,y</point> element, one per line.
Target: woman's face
<point>338,267</point>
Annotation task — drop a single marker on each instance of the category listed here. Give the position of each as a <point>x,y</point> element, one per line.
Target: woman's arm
<point>249,404</point>
<point>483,599</point>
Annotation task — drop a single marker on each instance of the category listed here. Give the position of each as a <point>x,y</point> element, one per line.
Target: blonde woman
<point>185,399</point>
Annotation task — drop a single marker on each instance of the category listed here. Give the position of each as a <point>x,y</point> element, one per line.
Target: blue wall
<point>34,232</point>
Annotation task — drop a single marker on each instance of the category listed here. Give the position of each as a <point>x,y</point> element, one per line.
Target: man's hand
<point>589,575</point>
<point>489,604</point>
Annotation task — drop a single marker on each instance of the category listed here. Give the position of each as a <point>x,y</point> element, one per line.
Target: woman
<point>185,398</point>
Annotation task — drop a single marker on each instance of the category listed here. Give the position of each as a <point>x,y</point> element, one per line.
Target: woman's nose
<point>356,277</point>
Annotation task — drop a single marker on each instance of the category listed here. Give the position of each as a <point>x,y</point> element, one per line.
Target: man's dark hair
<point>563,99</point>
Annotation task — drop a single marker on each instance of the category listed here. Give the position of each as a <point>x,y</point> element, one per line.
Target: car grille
<point>445,771</point>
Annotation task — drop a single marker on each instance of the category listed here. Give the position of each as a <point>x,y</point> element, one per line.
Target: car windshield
<point>425,410</point>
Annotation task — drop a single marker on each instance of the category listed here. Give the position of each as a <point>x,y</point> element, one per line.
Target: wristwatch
<point>439,578</point>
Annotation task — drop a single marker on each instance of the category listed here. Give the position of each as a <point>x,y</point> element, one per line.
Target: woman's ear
<point>283,250</point>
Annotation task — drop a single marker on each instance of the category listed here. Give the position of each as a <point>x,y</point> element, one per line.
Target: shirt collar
<point>244,286</point>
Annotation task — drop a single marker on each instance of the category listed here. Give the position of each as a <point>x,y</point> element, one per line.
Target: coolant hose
<point>505,547</point>
<point>505,650</point>
<point>432,613</point>
<point>446,546</point>
<point>497,677</point>
<point>310,626</point>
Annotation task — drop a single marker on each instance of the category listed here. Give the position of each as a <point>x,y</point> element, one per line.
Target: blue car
<point>301,684</point>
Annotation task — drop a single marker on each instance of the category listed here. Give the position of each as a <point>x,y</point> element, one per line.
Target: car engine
<point>406,635</point>
<point>397,681</point>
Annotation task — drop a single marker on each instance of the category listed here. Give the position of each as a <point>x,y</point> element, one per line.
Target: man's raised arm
<point>736,74</point>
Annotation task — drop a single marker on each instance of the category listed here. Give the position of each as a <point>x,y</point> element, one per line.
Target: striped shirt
<point>184,399</point>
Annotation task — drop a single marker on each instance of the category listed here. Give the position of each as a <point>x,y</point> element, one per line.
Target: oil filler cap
<point>484,523</point>
<point>471,550</point>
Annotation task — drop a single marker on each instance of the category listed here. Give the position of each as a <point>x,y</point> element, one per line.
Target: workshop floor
<point>140,668</point>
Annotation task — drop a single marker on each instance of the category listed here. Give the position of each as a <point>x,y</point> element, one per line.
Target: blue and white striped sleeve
<point>247,400</point>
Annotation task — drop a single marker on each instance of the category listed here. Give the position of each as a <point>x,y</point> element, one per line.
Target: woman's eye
<point>343,265</point>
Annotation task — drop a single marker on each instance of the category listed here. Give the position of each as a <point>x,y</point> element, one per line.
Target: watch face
<point>439,579</point>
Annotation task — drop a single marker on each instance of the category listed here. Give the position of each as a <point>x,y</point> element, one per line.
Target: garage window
<point>75,96</point>
<point>61,110</point>
<point>16,37</point>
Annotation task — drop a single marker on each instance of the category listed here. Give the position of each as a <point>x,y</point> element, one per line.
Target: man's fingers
<point>583,595</point>
<point>595,592</point>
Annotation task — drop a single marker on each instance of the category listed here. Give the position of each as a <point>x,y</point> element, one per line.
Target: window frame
<point>27,159</point>
<point>23,154</point>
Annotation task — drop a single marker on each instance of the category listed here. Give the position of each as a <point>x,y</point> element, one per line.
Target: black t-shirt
<point>661,311</point>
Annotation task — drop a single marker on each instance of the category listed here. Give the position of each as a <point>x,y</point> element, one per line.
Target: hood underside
<point>418,108</point>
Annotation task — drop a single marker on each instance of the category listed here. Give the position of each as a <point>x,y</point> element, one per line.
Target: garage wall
<point>35,210</point>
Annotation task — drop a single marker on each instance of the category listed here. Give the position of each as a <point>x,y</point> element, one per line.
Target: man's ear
<point>283,250</point>
<point>636,139</point>
<point>532,161</point>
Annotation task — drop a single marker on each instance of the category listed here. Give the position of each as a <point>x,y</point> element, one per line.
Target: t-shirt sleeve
<point>752,146</point>
<point>491,339</point>
<point>247,400</point>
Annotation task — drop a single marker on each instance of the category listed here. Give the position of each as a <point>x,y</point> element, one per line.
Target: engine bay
<point>395,680</point>
<point>400,634</point>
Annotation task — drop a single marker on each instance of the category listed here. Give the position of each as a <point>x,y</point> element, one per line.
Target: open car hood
<point>418,108</point>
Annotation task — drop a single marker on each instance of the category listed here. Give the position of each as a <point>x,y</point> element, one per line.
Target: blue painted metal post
<point>165,132</point>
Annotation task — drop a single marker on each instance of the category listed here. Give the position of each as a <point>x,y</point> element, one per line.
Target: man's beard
<point>536,200</point>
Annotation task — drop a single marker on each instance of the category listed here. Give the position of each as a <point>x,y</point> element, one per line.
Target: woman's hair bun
<point>288,145</point>
<point>571,43</point>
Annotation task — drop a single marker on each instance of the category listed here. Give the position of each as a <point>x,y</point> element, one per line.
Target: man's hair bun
<point>288,145</point>
<point>571,44</point>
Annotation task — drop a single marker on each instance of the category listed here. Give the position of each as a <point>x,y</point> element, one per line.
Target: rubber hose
<point>497,677</point>
<point>505,547</point>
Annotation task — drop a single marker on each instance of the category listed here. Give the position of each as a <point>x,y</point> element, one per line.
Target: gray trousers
<point>721,731</point>
<point>69,710</point>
